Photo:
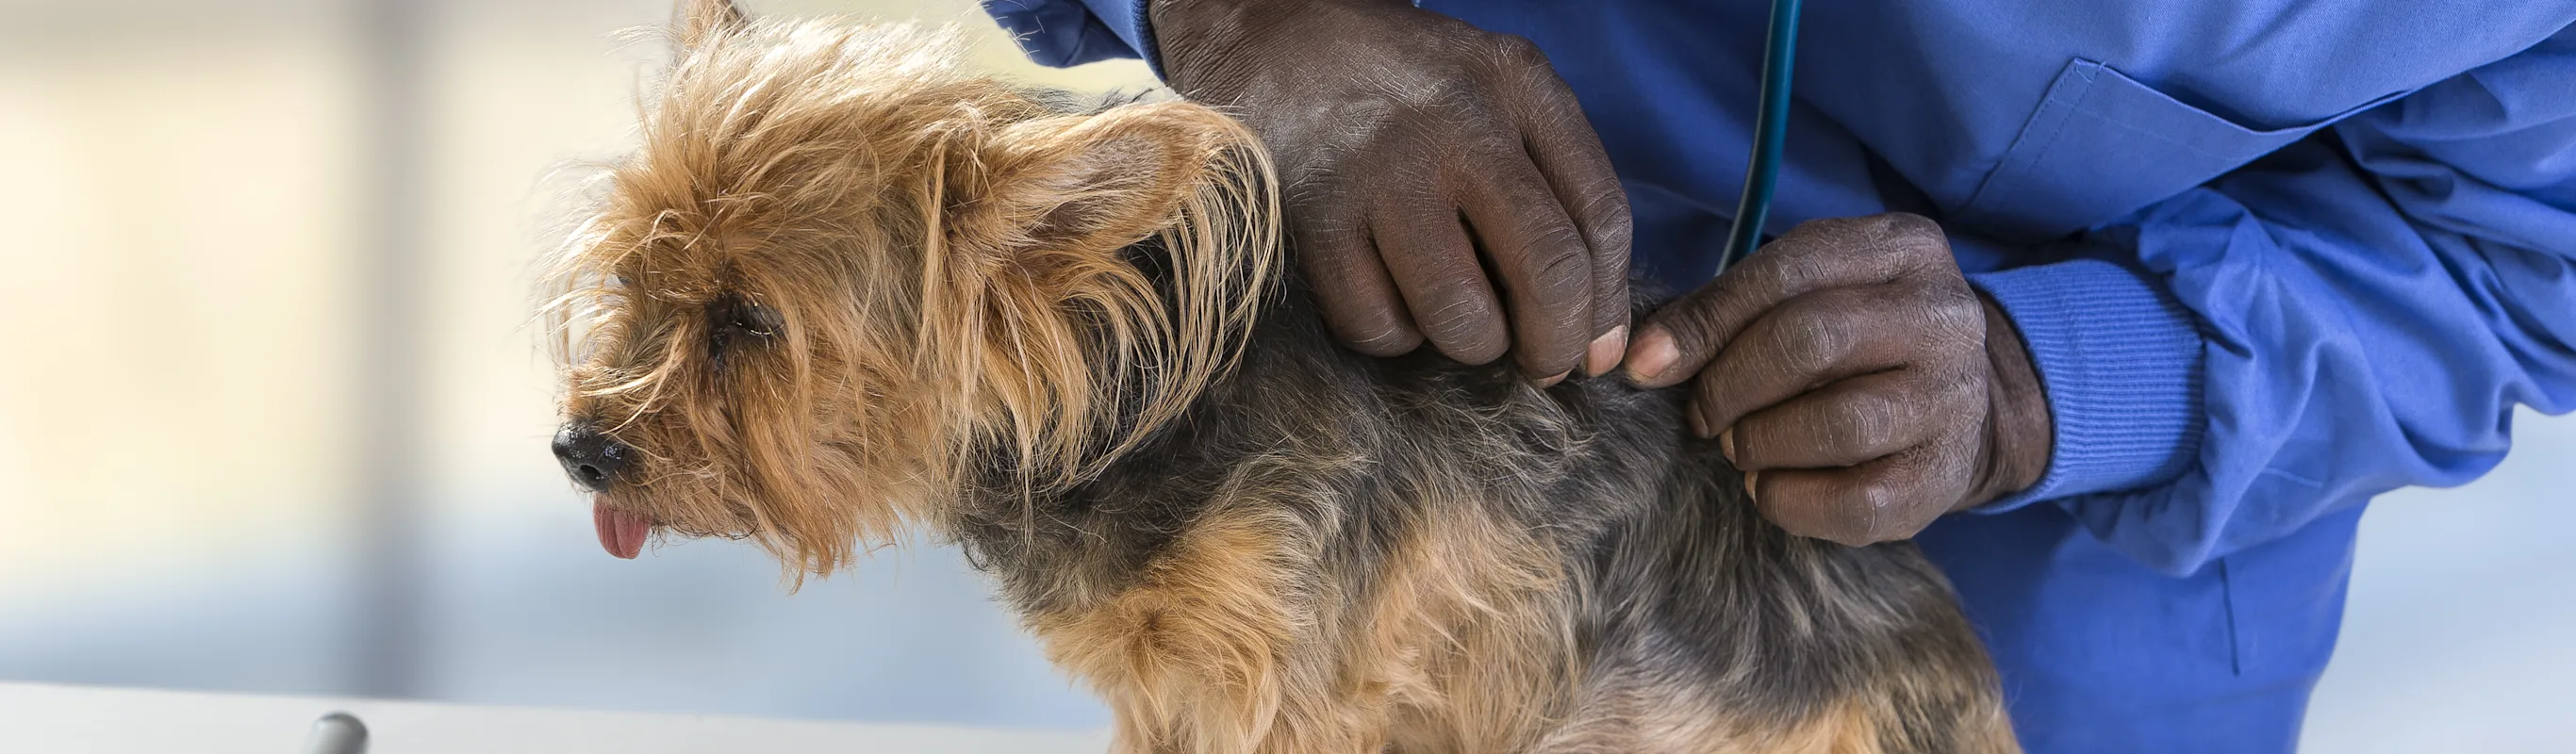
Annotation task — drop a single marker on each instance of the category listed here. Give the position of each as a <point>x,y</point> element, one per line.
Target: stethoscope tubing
<point>1771,123</point>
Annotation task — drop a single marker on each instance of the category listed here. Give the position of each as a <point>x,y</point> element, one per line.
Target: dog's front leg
<point>1215,649</point>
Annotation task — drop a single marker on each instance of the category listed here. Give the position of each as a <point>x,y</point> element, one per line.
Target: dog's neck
<point>1300,415</point>
<point>1132,505</point>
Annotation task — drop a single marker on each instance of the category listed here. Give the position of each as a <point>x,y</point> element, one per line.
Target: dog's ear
<point>1082,348</point>
<point>697,22</point>
<point>1102,181</point>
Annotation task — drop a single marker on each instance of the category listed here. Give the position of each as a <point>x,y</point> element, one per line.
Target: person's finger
<point>1886,499</point>
<point>1679,339</point>
<point>1358,298</point>
<point>1435,266</point>
<point>1826,336</point>
<point>1538,257</point>
<point>1847,423</point>
<point>1568,153</point>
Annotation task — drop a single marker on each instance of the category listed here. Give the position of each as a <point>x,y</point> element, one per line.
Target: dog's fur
<point>845,289</point>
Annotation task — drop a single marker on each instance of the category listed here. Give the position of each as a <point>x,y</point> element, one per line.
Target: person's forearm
<point>2368,311</point>
<point>2118,361</point>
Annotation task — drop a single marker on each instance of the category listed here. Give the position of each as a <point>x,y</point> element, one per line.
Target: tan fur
<point>1646,719</point>
<point>1846,728</point>
<point>1472,633</point>
<point>795,164</point>
<point>1221,650</point>
<point>1641,716</point>
<point>1201,655</point>
<point>1990,732</point>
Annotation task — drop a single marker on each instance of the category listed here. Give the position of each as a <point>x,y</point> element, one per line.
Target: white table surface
<point>43,719</point>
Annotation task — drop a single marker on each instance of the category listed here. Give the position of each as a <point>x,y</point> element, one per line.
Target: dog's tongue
<point>622,533</point>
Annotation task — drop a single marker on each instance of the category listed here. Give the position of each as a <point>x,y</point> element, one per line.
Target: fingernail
<point>1726,444</point>
<point>1652,353</point>
<point>1605,351</point>
<point>1551,381</point>
<point>1699,427</point>
<point>1749,476</point>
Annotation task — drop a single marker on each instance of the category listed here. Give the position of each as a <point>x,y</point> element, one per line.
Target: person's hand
<point>1440,180</point>
<point>1860,384</point>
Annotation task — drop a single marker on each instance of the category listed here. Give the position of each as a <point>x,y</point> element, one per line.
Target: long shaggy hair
<point>846,290</point>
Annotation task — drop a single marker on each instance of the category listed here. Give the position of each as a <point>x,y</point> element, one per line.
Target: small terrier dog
<point>846,288</point>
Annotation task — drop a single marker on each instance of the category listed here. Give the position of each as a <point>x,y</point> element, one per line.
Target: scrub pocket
<point>2102,145</point>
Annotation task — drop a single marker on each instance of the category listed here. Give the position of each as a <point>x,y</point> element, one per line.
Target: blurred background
<point>273,417</point>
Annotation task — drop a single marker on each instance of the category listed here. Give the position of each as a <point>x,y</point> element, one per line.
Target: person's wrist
<point>2019,432</point>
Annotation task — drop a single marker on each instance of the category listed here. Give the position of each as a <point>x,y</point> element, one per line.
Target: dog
<point>845,290</point>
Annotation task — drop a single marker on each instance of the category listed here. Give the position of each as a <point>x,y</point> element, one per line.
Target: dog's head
<point>841,273</point>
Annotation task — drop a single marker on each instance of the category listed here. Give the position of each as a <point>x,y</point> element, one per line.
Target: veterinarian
<point>2154,296</point>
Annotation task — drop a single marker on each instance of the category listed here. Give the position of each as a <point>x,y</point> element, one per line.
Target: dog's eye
<point>747,318</point>
<point>735,320</point>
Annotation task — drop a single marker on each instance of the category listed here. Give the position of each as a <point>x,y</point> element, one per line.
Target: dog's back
<point>1337,553</point>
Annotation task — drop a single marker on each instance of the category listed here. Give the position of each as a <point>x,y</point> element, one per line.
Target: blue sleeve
<point>2359,312</point>
<point>1063,33</point>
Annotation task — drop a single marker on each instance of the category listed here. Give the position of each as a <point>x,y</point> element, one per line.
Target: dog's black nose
<point>594,460</point>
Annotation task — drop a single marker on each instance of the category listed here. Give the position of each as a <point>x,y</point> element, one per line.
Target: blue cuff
<point>2121,362</point>
<point>1063,33</point>
<point>1129,20</point>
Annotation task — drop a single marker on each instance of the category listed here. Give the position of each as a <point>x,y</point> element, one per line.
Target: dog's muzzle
<point>593,460</point>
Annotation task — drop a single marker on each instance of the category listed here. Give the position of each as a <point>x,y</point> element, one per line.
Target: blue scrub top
<point>2271,258</point>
